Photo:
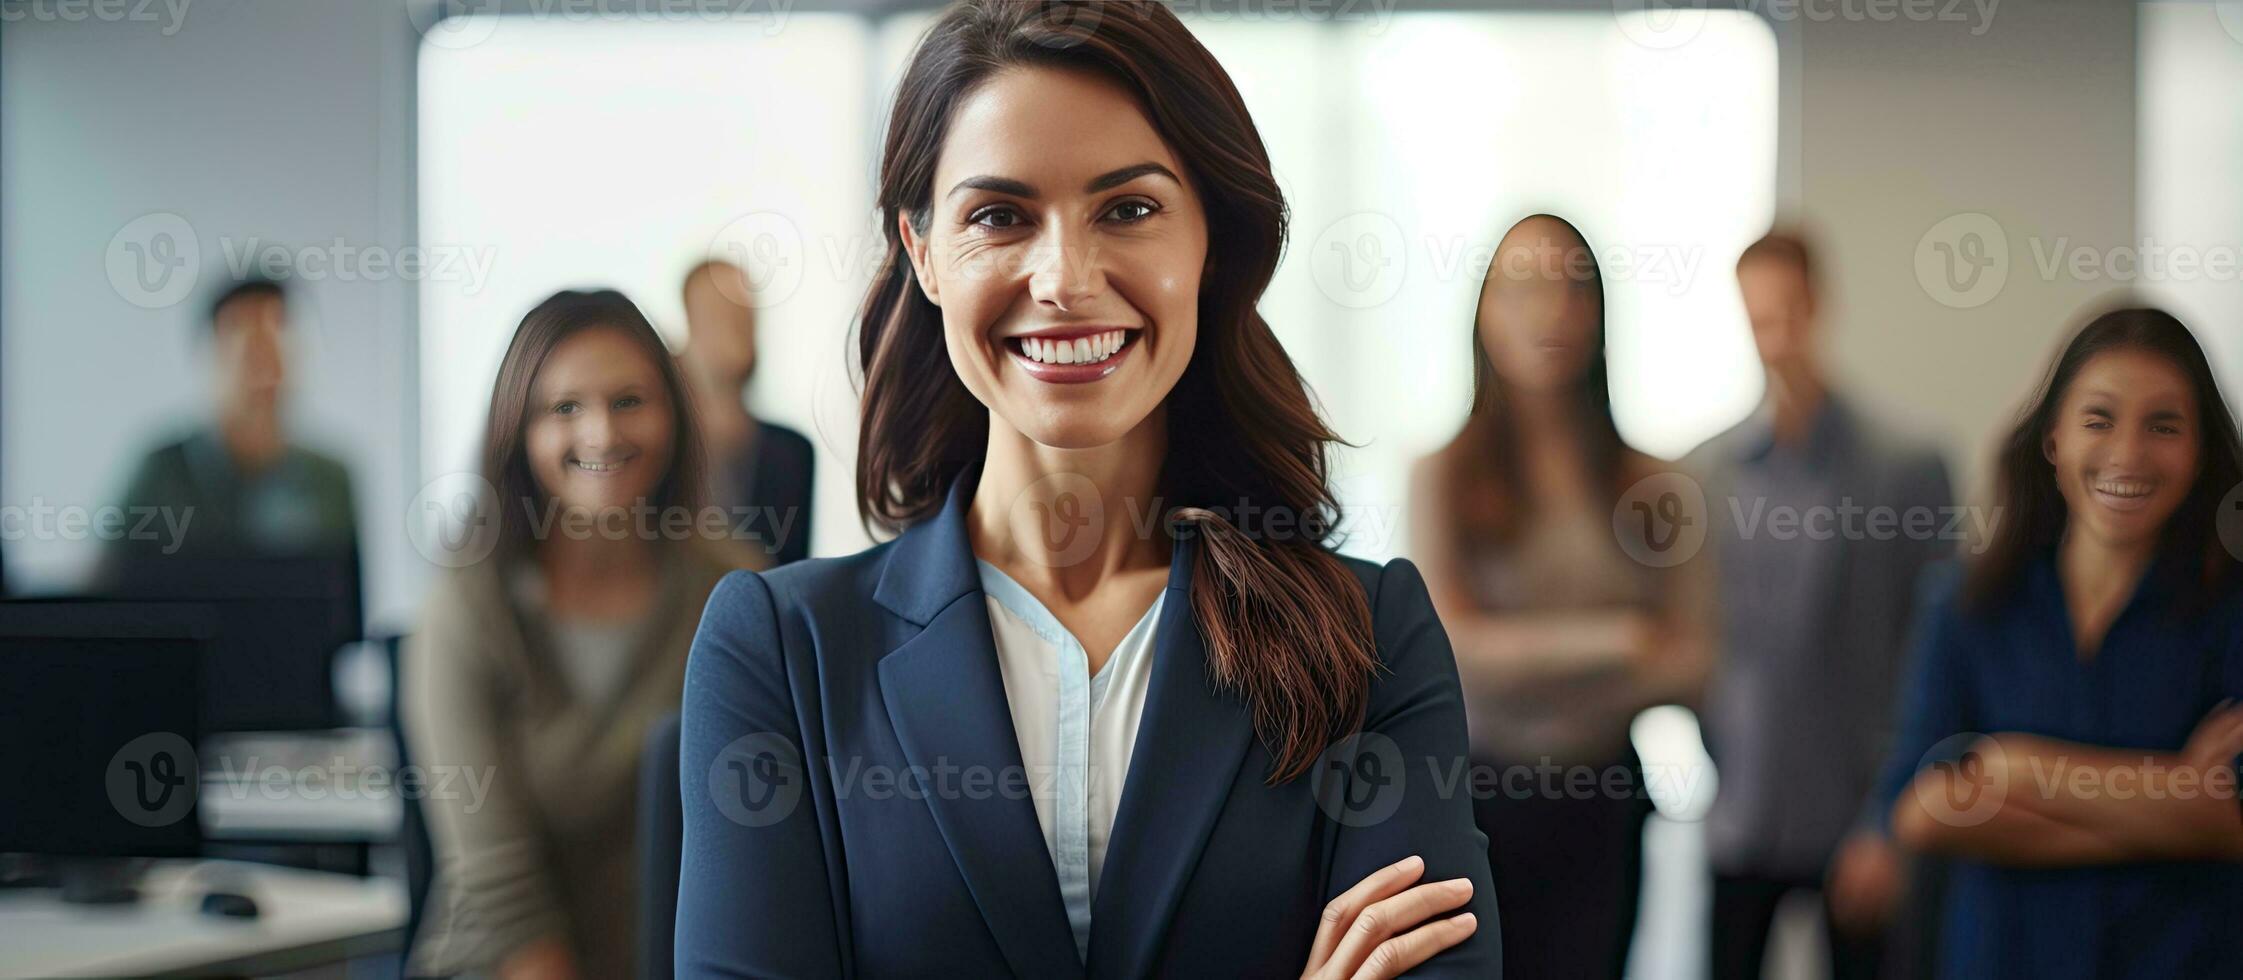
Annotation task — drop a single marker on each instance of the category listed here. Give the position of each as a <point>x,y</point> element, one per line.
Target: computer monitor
<point>280,622</point>
<point>100,703</point>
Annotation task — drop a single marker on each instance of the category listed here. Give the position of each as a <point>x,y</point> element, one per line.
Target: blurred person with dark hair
<point>760,472</point>
<point>1798,708</point>
<point>242,489</point>
<point>2099,638</point>
<point>541,668</point>
<point>1561,638</point>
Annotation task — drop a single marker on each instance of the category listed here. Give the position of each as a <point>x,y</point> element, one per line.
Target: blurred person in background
<point>2099,638</point>
<point>1561,638</point>
<point>542,667</point>
<point>1798,709</point>
<point>759,471</point>
<point>241,487</point>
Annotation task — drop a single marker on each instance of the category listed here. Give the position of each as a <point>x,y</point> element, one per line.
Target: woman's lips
<point>1083,344</point>
<point>2125,496</point>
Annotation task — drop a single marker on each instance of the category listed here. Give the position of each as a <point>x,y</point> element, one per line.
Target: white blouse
<point>1076,731</point>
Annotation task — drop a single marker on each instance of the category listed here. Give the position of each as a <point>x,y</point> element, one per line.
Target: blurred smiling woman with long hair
<point>545,664</point>
<point>2099,638</point>
<point>1086,714</point>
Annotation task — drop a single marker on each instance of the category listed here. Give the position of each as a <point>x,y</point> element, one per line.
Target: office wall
<point>288,121</point>
<point>1906,124</point>
<point>256,123</point>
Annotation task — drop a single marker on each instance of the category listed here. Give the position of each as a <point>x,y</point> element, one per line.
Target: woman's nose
<point>1064,272</point>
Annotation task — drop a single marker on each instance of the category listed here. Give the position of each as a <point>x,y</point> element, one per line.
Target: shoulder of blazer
<point>826,590</point>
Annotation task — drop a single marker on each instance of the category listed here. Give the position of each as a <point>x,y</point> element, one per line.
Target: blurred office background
<point>514,148</point>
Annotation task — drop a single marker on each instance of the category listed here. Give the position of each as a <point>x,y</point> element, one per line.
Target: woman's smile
<point>1071,355</point>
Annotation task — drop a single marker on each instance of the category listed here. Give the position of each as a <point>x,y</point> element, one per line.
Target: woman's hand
<point>2218,739</point>
<point>1377,930</point>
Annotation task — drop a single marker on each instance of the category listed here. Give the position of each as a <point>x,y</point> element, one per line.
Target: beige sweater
<point>535,827</point>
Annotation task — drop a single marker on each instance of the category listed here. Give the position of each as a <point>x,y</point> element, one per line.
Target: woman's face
<point>1539,307</point>
<point>601,427</point>
<point>1065,245</point>
<point>2124,446</point>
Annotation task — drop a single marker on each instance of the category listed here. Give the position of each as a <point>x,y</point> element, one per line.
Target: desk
<point>307,918</point>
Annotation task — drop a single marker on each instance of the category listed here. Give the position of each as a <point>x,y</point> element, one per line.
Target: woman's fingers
<point>1340,913</point>
<point>1390,917</point>
<point>1403,953</point>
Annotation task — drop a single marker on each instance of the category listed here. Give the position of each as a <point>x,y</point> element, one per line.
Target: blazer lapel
<point>945,694</point>
<point>1190,744</point>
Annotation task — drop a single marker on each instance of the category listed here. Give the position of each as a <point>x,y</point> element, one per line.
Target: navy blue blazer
<point>855,803</point>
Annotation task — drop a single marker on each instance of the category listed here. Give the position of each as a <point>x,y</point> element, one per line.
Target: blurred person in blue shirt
<point>2099,640</point>
<point>1798,709</point>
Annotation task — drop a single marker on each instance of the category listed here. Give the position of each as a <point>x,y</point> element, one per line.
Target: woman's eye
<point>627,401</point>
<point>2098,424</point>
<point>989,218</point>
<point>565,408</point>
<point>1136,211</point>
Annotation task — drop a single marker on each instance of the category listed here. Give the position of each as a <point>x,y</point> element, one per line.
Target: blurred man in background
<point>759,472</point>
<point>1823,520</point>
<point>252,492</point>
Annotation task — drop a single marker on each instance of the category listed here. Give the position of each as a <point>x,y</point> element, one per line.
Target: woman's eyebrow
<point>1104,181</point>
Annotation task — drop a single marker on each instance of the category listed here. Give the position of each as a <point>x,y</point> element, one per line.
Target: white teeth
<point>600,467</point>
<point>1081,350</point>
<point>2123,489</point>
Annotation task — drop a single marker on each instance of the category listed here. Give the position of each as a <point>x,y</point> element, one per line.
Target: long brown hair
<point>1286,625</point>
<point>2032,512</point>
<point>506,463</point>
<point>1484,471</point>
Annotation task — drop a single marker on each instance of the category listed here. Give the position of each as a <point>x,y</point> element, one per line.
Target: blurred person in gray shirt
<point>1824,518</point>
<point>240,487</point>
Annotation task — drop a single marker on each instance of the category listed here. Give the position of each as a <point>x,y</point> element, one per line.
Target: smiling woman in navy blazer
<point>1109,706</point>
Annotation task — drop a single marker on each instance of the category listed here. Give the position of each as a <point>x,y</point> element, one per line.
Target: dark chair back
<point>661,838</point>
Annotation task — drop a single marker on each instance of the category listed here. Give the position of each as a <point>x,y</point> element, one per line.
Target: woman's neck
<point>1553,448</point>
<point>1068,519</point>
<point>2099,577</point>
